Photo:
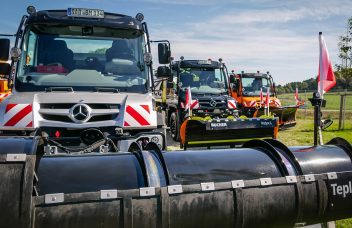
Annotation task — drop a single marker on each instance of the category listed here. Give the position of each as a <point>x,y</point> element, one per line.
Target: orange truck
<point>246,89</point>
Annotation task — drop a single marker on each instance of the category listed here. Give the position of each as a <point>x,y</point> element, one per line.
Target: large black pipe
<point>265,184</point>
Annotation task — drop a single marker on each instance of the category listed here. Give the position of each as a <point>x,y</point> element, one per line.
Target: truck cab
<point>247,88</point>
<point>85,75</point>
<point>208,83</point>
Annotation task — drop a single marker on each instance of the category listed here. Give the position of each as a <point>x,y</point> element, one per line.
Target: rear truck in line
<point>246,87</point>
<point>212,117</point>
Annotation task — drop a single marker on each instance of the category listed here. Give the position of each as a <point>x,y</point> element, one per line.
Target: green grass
<point>347,223</point>
<point>302,134</point>
<point>332,100</point>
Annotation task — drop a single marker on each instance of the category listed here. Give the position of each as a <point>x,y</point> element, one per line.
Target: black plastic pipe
<point>265,184</point>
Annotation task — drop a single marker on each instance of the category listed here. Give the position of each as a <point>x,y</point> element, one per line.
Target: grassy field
<point>303,132</point>
<point>332,100</point>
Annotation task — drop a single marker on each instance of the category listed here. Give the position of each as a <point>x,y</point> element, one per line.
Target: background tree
<point>344,71</point>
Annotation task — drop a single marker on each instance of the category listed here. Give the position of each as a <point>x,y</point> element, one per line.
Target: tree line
<point>343,81</point>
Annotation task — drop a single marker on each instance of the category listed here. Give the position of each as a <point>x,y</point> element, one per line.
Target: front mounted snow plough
<point>246,87</point>
<point>211,117</point>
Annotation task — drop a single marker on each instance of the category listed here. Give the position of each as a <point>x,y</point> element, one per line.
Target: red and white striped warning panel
<point>4,95</point>
<point>139,115</point>
<point>231,104</point>
<point>277,103</point>
<point>250,103</point>
<point>18,115</point>
<point>194,104</point>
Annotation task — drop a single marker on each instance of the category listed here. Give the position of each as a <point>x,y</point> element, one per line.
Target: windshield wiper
<point>107,90</point>
<point>60,89</point>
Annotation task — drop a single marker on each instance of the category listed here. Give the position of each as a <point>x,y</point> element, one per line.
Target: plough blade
<point>286,115</point>
<point>198,133</point>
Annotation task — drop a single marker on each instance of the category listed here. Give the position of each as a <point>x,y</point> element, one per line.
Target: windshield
<point>83,62</point>
<point>203,80</point>
<point>251,86</point>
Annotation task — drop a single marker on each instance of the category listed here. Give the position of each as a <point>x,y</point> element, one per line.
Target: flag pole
<point>321,68</point>
<point>267,101</point>
<point>189,102</point>
<point>261,97</point>
<point>321,84</point>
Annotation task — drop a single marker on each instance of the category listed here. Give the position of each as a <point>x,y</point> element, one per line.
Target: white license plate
<point>81,12</point>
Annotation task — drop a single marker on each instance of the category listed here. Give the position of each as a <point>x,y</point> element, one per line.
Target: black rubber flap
<point>16,185</point>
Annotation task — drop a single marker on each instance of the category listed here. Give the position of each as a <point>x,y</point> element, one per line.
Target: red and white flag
<point>261,97</point>
<point>296,96</point>
<point>188,100</point>
<point>326,77</point>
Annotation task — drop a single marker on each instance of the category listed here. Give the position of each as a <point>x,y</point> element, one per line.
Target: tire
<point>174,127</point>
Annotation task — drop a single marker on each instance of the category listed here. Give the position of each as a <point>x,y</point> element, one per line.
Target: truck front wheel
<point>174,127</point>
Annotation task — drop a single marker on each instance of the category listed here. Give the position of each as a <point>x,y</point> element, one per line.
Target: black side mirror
<point>164,53</point>
<point>170,85</point>
<point>4,49</point>
<point>5,69</point>
<point>234,82</point>
<point>163,72</point>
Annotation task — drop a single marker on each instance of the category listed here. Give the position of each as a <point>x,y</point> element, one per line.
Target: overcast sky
<point>267,35</point>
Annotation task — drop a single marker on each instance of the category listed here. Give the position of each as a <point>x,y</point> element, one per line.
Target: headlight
<point>155,139</point>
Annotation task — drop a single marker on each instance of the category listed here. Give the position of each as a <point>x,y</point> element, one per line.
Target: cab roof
<point>59,17</point>
<point>257,75</point>
<point>199,64</point>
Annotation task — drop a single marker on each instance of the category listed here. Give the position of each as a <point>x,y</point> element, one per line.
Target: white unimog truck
<point>83,79</point>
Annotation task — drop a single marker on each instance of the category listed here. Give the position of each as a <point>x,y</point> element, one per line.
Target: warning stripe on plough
<point>277,102</point>
<point>231,104</point>
<point>137,115</point>
<point>250,103</point>
<point>194,104</point>
<point>18,115</point>
<point>4,95</point>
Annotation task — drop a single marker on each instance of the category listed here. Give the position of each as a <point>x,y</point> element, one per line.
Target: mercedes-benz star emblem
<point>212,103</point>
<point>80,113</point>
